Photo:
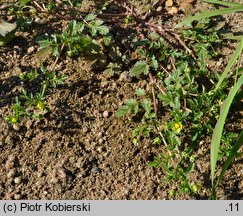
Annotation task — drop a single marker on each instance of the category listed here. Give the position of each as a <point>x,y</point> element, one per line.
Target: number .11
<point>234,207</point>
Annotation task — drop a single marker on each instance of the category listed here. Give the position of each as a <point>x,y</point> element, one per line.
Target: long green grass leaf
<point>232,60</point>
<point>232,37</point>
<point>230,4</point>
<point>217,133</point>
<point>208,14</point>
<point>230,158</point>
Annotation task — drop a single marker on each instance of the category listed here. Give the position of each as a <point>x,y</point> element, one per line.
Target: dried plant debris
<point>173,7</point>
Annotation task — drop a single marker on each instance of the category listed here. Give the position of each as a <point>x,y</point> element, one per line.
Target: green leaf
<point>24,2</point>
<point>207,14</point>
<point>218,130</point>
<point>103,30</point>
<point>139,68</point>
<point>93,30</point>
<point>86,40</point>
<point>156,163</point>
<point>230,158</point>
<point>231,62</point>
<point>98,23</point>
<point>166,99</point>
<point>140,92</point>
<point>107,40</point>
<point>154,63</point>
<point>122,111</point>
<point>232,37</point>
<point>131,106</point>
<point>90,17</point>
<point>146,105</point>
<point>230,4</point>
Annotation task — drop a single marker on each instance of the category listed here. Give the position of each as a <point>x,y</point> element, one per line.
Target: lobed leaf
<point>90,17</point>
<point>139,68</point>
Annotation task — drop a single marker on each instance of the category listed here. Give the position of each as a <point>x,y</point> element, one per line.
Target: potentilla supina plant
<point>177,127</point>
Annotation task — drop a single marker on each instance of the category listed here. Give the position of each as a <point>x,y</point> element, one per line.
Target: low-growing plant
<point>79,38</point>
<point>218,130</point>
<point>177,111</point>
<point>33,105</point>
<point>179,94</point>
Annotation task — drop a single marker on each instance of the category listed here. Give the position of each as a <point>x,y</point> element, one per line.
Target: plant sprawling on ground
<point>186,98</point>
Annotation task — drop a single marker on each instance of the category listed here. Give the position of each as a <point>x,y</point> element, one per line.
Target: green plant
<point>133,107</point>
<point>218,130</point>
<point>178,94</point>
<point>33,105</point>
<point>79,38</point>
<point>18,112</point>
<point>28,105</point>
<point>176,112</point>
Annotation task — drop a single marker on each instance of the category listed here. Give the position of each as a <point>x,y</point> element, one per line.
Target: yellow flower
<point>177,127</point>
<point>40,105</point>
<point>14,119</point>
<point>196,187</point>
<point>220,102</point>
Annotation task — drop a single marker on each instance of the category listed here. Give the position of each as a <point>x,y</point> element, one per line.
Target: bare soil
<point>81,150</point>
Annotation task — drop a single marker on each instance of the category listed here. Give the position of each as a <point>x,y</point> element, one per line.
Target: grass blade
<point>207,14</point>
<point>230,158</point>
<point>232,60</point>
<point>233,37</point>
<point>217,133</point>
<point>230,4</point>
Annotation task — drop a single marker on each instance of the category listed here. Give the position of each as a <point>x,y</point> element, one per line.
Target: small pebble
<point>9,165</point>
<point>11,158</point>
<point>41,21</point>
<point>28,124</point>
<point>17,48</point>
<point>159,8</point>
<point>16,127</point>
<point>54,180</point>
<point>17,196</point>
<point>40,174</point>
<point>99,149</point>
<point>9,140</point>
<point>169,67</point>
<point>59,172</point>
<point>99,135</point>
<point>11,173</point>
<point>8,196</point>
<point>101,141</point>
<point>17,180</point>
<point>105,114</point>
<point>95,169</point>
<point>96,113</point>
<point>85,130</point>
<point>125,76</point>
<point>30,49</point>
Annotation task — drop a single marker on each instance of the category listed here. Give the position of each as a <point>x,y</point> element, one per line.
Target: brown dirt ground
<point>76,152</point>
